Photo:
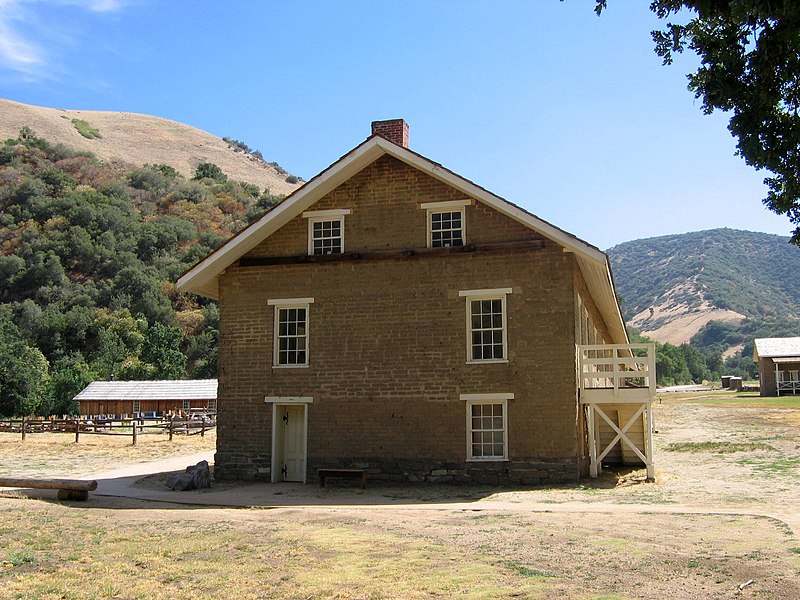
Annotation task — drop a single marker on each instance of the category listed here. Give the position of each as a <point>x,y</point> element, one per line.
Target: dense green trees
<point>89,253</point>
<point>750,68</point>
<point>23,372</point>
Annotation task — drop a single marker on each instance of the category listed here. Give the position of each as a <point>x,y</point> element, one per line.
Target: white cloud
<point>105,5</point>
<point>29,41</point>
<point>16,52</point>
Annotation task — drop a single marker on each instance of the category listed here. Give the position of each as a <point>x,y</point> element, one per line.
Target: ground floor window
<point>487,426</point>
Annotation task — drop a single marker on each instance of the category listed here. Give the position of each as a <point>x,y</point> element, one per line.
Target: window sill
<point>290,366</point>
<point>483,460</point>
<point>493,361</point>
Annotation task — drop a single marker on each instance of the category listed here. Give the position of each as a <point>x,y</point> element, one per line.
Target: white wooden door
<point>293,420</point>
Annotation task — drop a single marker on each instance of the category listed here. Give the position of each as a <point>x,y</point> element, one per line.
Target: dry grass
<point>139,139</point>
<point>113,548</point>
<point>57,454</point>
<point>57,551</point>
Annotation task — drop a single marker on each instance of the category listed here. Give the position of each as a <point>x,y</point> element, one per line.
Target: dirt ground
<point>729,475</point>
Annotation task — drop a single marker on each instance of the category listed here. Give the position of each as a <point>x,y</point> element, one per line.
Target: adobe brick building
<point>394,316</point>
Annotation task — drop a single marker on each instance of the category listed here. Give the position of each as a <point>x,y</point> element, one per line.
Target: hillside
<point>671,286</point>
<point>136,139</point>
<point>89,253</point>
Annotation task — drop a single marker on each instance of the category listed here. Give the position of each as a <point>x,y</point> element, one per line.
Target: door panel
<point>294,442</point>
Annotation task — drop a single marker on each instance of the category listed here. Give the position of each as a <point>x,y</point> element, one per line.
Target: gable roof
<point>202,279</point>
<point>775,347</point>
<point>190,389</point>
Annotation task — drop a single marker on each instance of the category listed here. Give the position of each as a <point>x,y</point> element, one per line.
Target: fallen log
<point>68,489</point>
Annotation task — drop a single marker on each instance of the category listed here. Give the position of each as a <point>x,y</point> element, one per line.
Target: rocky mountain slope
<point>136,139</point>
<point>671,286</point>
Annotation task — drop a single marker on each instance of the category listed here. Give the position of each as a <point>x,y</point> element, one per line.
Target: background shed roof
<point>771,347</point>
<point>191,389</point>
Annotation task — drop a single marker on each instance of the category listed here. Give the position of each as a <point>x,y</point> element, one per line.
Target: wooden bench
<point>349,473</point>
<point>68,489</point>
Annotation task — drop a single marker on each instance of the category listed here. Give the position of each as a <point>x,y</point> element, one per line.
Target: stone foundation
<point>242,467</point>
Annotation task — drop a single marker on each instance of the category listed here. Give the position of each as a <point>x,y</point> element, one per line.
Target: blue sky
<point>566,114</point>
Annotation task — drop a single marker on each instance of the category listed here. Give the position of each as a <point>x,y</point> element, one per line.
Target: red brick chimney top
<point>394,130</point>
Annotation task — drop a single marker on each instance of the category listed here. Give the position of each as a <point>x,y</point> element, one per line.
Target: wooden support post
<point>592,441</point>
<point>203,429</point>
<point>648,442</point>
<point>171,426</point>
<point>134,432</point>
<point>77,430</point>
<point>23,429</point>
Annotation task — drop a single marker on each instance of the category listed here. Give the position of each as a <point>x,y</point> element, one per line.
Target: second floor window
<point>291,332</point>
<point>486,325</point>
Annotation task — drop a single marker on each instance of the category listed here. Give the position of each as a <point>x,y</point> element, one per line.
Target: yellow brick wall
<point>388,344</point>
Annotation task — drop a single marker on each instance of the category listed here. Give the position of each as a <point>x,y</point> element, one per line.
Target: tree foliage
<point>23,372</point>
<point>750,68</point>
<point>89,253</point>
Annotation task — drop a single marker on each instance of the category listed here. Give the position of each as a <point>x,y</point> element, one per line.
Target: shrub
<point>209,171</point>
<point>85,129</point>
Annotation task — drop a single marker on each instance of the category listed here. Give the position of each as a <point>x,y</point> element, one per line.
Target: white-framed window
<point>487,426</point>
<point>487,332</point>
<point>211,405</point>
<point>137,406</point>
<point>446,223</point>
<point>290,335</point>
<point>326,231</point>
<point>187,404</point>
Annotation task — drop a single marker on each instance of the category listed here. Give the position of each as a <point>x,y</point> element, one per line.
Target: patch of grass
<point>743,400</point>
<point>717,447</point>
<point>795,550</point>
<point>772,465</point>
<point>85,129</point>
<point>527,571</point>
<point>20,558</point>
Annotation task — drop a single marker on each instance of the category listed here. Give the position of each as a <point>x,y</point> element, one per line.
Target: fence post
<point>203,429</point>
<point>77,430</point>
<point>134,432</point>
<point>171,426</point>
<point>23,428</point>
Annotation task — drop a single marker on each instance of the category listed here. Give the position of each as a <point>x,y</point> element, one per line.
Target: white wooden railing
<point>617,367</point>
<point>788,381</point>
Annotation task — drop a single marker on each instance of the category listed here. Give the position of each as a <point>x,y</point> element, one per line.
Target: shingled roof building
<point>778,365</point>
<point>135,398</point>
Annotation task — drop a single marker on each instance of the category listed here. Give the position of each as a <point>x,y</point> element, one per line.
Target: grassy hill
<point>136,139</point>
<point>671,287</point>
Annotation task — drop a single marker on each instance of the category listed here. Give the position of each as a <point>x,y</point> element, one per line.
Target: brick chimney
<point>394,130</point>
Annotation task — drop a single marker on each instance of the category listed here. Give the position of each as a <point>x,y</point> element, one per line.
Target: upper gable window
<point>326,231</point>
<point>446,223</point>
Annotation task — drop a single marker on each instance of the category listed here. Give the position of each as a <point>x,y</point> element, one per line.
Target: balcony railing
<point>614,372</point>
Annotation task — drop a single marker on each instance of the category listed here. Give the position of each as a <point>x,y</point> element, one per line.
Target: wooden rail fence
<point>133,428</point>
